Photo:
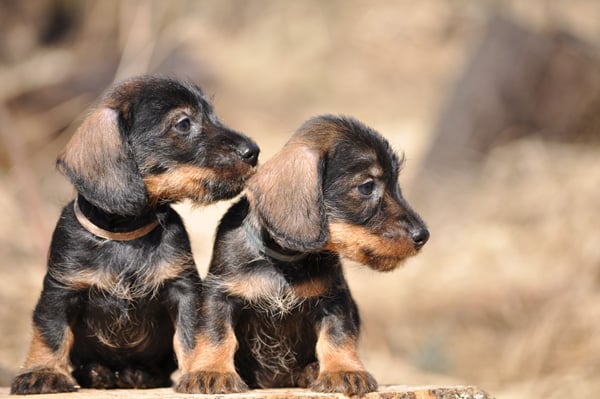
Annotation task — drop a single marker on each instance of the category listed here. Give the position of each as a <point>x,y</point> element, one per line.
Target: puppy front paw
<point>142,379</point>
<point>210,382</point>
<point>96,376</point>
<point>42,380</point>
<point>307,376</point>
<point>350,383</point>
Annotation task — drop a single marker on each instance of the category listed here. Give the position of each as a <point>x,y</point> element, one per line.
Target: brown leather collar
<point>110,235</point>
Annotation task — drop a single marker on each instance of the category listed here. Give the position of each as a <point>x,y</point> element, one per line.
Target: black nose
<point>249,153</point>
<point>419,237</point>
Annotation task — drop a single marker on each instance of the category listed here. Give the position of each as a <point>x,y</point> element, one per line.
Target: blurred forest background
<point>495,103</point>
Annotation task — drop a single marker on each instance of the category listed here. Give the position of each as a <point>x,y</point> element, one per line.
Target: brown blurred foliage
<point>506,295</point>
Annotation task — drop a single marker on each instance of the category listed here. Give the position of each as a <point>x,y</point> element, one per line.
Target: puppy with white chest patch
<point>276,308</point>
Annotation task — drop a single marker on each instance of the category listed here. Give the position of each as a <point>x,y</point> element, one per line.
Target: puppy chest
<point>119,278</point>
<point>272,294</point>
<point>117,323</point>
<point>279,346</point>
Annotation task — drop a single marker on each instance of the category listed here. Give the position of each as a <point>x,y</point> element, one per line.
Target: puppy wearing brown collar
<point>121,292</point>
<point>276,308</point>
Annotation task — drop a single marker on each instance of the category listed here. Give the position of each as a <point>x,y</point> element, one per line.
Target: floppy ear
<point>99,163</point>
<point>287,194</point>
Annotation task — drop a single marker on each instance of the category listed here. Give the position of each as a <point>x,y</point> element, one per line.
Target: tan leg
<point>46,370</point>
<point>340,369</point>
<point>209,367</point>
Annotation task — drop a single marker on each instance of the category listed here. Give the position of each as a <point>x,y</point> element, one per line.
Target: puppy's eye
<point>184,125</point>
<point>366,188</point>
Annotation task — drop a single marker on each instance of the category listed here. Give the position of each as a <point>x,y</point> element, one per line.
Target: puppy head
<point>154,139</point>
<point>334,186</point>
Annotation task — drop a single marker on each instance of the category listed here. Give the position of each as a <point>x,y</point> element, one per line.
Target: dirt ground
<point>505,296</point>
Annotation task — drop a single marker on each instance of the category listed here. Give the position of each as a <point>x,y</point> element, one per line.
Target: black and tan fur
<point>121,292</point>
<point>276,308</point>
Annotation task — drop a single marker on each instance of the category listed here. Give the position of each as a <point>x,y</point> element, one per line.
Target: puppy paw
<point>142,379</point>
<point>210,382</point>
<point>350,383</point>
<point>42,380</point>
<point>95,376</point>
<point>307,376</point>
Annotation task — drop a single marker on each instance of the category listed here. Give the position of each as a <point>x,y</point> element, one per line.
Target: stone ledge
<point>385,392</point>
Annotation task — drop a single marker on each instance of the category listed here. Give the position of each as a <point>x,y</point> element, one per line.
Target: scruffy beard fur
<point>374,251</point>
<point>202,186</point>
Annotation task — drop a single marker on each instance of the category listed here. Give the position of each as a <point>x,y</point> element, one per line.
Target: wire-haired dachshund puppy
<point>120,296</point>
<point>276,307</point>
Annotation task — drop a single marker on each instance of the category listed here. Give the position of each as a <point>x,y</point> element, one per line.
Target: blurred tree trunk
<point>518,83</point>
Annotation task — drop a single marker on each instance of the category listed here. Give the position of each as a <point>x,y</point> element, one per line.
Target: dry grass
<point>506,294</point>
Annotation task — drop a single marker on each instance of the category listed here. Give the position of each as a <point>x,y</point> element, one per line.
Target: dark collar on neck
<point>256,241</point>
<point>110,226</point>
